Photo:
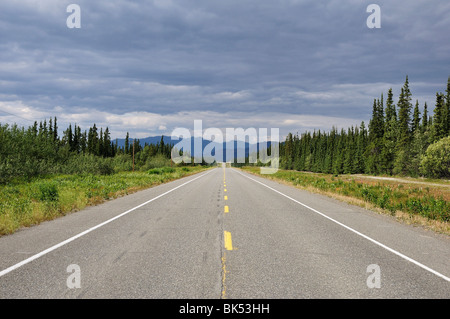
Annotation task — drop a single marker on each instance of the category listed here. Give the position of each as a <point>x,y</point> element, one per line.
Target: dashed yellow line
<point>226,209</point>
<point>224,276</point>
<point>225,197</point>
<point>227,240</point>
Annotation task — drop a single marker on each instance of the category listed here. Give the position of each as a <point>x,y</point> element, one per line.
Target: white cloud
<point>149,66</point>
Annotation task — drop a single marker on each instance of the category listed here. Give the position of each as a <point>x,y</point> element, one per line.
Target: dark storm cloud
<point>283,59</point>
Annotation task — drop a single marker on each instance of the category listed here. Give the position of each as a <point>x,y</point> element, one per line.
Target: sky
<point>148,67</point>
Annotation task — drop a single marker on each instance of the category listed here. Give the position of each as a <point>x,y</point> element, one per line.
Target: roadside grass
<point>23,204</point>
<point>410,201</point>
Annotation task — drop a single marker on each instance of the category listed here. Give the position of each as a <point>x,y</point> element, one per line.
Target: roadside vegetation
<point>416,201</point>
<point>399,163</point>
<point>44,175</point>
<point>400,139</point>
<point>31,202</point>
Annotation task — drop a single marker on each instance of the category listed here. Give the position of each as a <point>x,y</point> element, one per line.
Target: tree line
<point>39,150</point>
<point>401,139</point>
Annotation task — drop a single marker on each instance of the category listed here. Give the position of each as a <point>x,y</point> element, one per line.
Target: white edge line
<point>357,232</point>
<point>50,249</point>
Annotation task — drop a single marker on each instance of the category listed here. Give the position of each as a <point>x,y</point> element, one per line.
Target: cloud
<point>142,124</point>
<point>135,63</point>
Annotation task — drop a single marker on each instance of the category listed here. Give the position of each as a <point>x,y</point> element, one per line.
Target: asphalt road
<point>224,234</point>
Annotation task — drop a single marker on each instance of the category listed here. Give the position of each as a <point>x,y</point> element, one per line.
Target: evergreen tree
<point>376,133</point>
<point>330,149</point>
<point>288,153</point>
<point>34,129</point>
<point>92,140</point>
<point>389,136</point>
<point>161,145</point>
<point>350,152</point>
<point>416,118</point>
<point>107,146</point>
<point>50,129</point>
<point>404,115</point>
<point>55,130</point>
<point>424,126</point>
<point>83,141</point>
<point>100,146</point>
<point>390,107</point>
<point>127,144</point>
<point>402,157</point>
<point>338,165</point>
<point>68,137</point>
<point>395,142</point>
<point>446,115</point>
<point>439,119</point>
<point>77,139</point>
<point>361,148</point>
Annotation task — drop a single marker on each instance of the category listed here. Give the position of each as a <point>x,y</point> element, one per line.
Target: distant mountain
<point>147,140</point>
<point>198,152</point>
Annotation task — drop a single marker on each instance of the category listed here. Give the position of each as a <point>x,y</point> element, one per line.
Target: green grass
<point>24,204</point>
<point>429,202</point>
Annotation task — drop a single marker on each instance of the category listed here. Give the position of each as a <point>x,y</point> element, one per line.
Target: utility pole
<point>133,154</point>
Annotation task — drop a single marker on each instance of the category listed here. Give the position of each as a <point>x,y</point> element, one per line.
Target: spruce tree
<point>76,138</point>
<point>107,147</point>
<point>439,119</point>
<point>390,111</point>
<point>83,142</point>
<point>425,118</point>
<point>92,140</point>
<point>404,115</point>
<point>416,118</point>
<point>361,148</point>
<point>402,156</point>
<point>55,130</point>
<point>69,137</point>
<point>376,132</point>
<point>446,115</point>
<point>389,136</point>
<point>127,144</point>
<point>288,152</point>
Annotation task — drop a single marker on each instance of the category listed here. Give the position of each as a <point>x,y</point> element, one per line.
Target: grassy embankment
<point>414,201</point>
<point>24,204</point>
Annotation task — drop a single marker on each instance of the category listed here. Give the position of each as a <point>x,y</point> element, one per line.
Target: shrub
<point>161,170</point>
<point>122,163</point>
<point>156,161</point>
<point>155,171</point>
<point>48,192</point>
<point>168,169</point>
<point>436,161</point>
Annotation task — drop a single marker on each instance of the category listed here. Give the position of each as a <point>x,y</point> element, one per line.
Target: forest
<point>400,139</point>
<point>39,151</point>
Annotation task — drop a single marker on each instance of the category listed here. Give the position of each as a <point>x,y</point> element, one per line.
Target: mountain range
<point>239,148</point>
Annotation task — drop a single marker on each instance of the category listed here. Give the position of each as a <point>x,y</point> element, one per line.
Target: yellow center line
<point>226,210</point>
<point>227,240</point>
<point>225,197</point>
<point>224,275</point>
<point>225,190</point>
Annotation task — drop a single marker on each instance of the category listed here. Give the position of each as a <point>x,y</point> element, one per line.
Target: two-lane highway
<point>224,234</point>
